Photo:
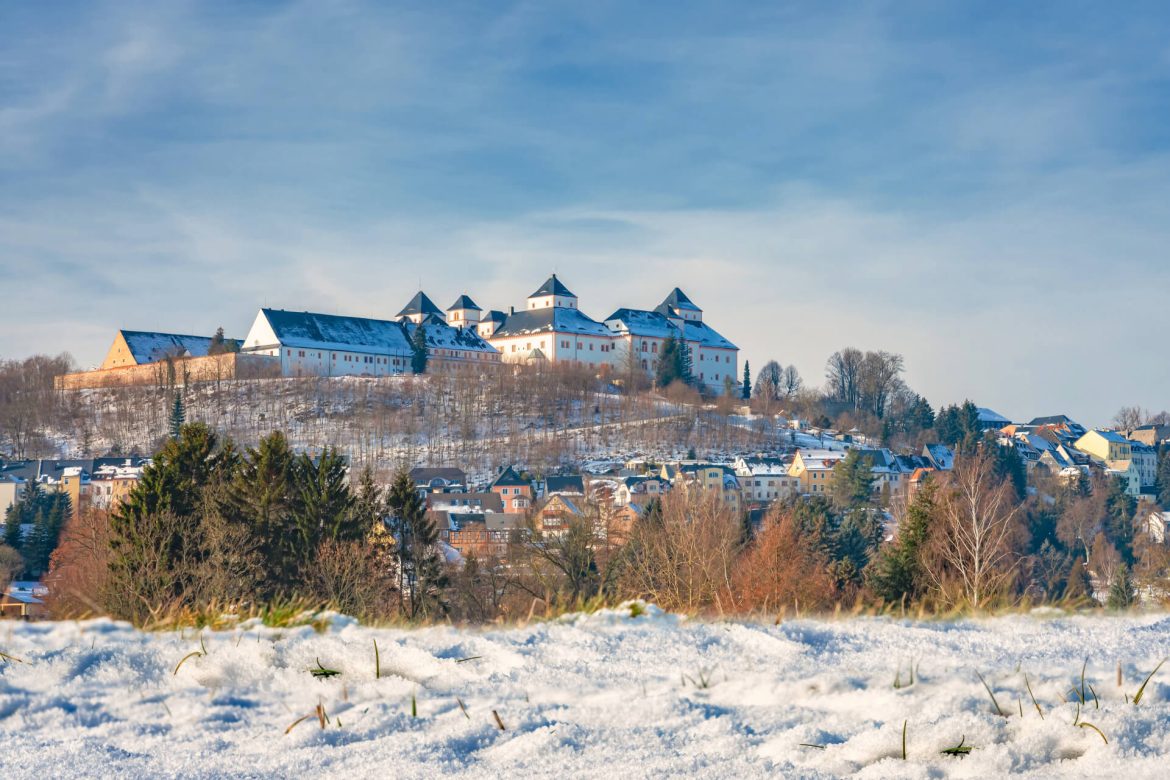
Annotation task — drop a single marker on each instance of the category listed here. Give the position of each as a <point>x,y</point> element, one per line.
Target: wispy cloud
<point>971,187</point>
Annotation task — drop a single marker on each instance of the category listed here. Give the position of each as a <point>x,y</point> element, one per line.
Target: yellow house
<point>1105,446</point>
<point>136,348</point>
<point>705,476</point>
<point>813,468</point>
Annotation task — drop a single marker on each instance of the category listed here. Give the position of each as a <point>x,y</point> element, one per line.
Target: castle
<point>550,327</point>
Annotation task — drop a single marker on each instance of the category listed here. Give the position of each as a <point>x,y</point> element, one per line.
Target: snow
<point>604,695</point>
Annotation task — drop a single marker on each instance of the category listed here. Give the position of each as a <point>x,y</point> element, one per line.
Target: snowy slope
<point>600,696</point>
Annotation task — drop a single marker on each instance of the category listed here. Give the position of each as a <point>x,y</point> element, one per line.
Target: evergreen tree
<point>746,393</point>
<point>420,567</point>
<point>1121,591</point>
<point>323,506</point>
<point>218,343</point>
<point>897,574</point>
<point>419,353</point>
<point>668,369</point>
<point>51,514</point>
<point>851,483</point>
<point>1009,466</point>
<point>1163,481</point>
<point>1120,508</point>
<point>686,370</point>
<point>178,415</point>
<point>263,497</point>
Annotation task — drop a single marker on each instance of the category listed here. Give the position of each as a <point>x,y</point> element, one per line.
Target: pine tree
<point>178,415</point>
<point>1120,508</point>
<point>1121,591</point>
<point>897,574</point>
<point>263,498</point>
<point>323,506</point>
<point>851,483</point>
<point>685,366</point>
<point>746,394</point>
<point>667,369</point>
<point>218,344</point>
<point>419,354</point>
<point>1163,481</point>
<point>420,568</point>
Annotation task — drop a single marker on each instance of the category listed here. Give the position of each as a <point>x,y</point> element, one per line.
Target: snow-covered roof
<point>149,347</point>
<point>552,286</point>
<point>420,304</point>
<point>677,299</point>
<point>310,330</point>
<point>654,324</point>
<point>463,302</point>
<point>550,320</point>
<point>990,417</point>
<point>440,335</point>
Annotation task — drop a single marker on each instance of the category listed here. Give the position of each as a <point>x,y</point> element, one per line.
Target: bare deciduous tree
<point>973,557</point>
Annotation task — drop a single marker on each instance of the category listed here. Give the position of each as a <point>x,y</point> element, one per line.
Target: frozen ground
<point>607,695</point>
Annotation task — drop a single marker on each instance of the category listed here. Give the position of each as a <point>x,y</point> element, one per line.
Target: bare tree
<point>790,382</point>
<point>972,557</point>
<point>878,381</point>
<point>1130,417</point>
<point>843,375</point>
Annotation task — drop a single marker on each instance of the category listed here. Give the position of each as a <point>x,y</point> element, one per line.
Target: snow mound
<point>627,692</point>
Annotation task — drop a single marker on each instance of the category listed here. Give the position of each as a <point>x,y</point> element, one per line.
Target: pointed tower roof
<point>508,477</point>
<point>464,302</point>
<point>679,300</point>
<point>420,304</point>
<point>552,286</point>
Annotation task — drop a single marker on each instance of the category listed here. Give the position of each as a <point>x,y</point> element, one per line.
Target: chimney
<point>511,310</point>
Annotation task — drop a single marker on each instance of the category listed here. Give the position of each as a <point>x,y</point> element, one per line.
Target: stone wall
<point>230,365</point>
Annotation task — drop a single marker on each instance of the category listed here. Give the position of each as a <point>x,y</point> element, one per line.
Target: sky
<point>983,188</point>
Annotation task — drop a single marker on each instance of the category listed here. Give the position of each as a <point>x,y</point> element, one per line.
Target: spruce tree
<point>178,415</point>
<point>418,346</point>
<point>897,575</point>
<point>324,505</point>
<point>686,368</point>
<point>420,567</point>
<point>666,370</point>
<point>851,482</point>
<point>1121,591</point>
<point>263,497</point>
<point>746,394</point>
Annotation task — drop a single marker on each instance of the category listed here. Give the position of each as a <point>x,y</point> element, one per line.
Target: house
<point>639,489</point>
<point>482,535</point>
<point>552,328</point>
<point>639,335</point>
<point>940,456</point>
<point>137,348</point>
<point>24,599</point>
<point>515,493</point>
<point>1102,445</point>
<point>765,479</point>
<point>813,468</point>
<point>438,480</point>
<point>1150,435</point>
<point>556,513</point>
<point>990,420</point>
<point>567,483</point>
<point>1127,472</point>
<point>480,502</point>
<point>98,482</point>
<point>1060,425</point>
<point>1145,458</point>
<point>717,479</point>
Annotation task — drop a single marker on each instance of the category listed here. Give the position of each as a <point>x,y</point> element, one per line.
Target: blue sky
<point>984,188</point>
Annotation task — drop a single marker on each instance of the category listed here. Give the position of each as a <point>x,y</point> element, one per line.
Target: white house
<point>310,344</point>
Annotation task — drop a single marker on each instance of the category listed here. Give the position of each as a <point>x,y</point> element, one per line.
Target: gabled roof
<point>464,302</point>
<point>328,331</point>
<point>655,324</point>
<point>552,286</point>
<point>493,316</point>
<point>1110,436</point>
<point>150,347</point>
<point>679,300</point>
<point>1056,419</point>
<point>424,474</point>
<point>441,335</point>
<point>572,483</point>
<point>420,304</point>
<point>549,320</point>
<point>509,478</point>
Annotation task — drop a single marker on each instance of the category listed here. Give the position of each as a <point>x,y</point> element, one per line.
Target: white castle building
<point>550,327</point>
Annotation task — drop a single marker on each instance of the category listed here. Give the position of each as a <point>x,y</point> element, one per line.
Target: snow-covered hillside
<point>606,695</point>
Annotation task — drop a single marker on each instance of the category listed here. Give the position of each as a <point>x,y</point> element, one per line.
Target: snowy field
<point>607,695</point>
